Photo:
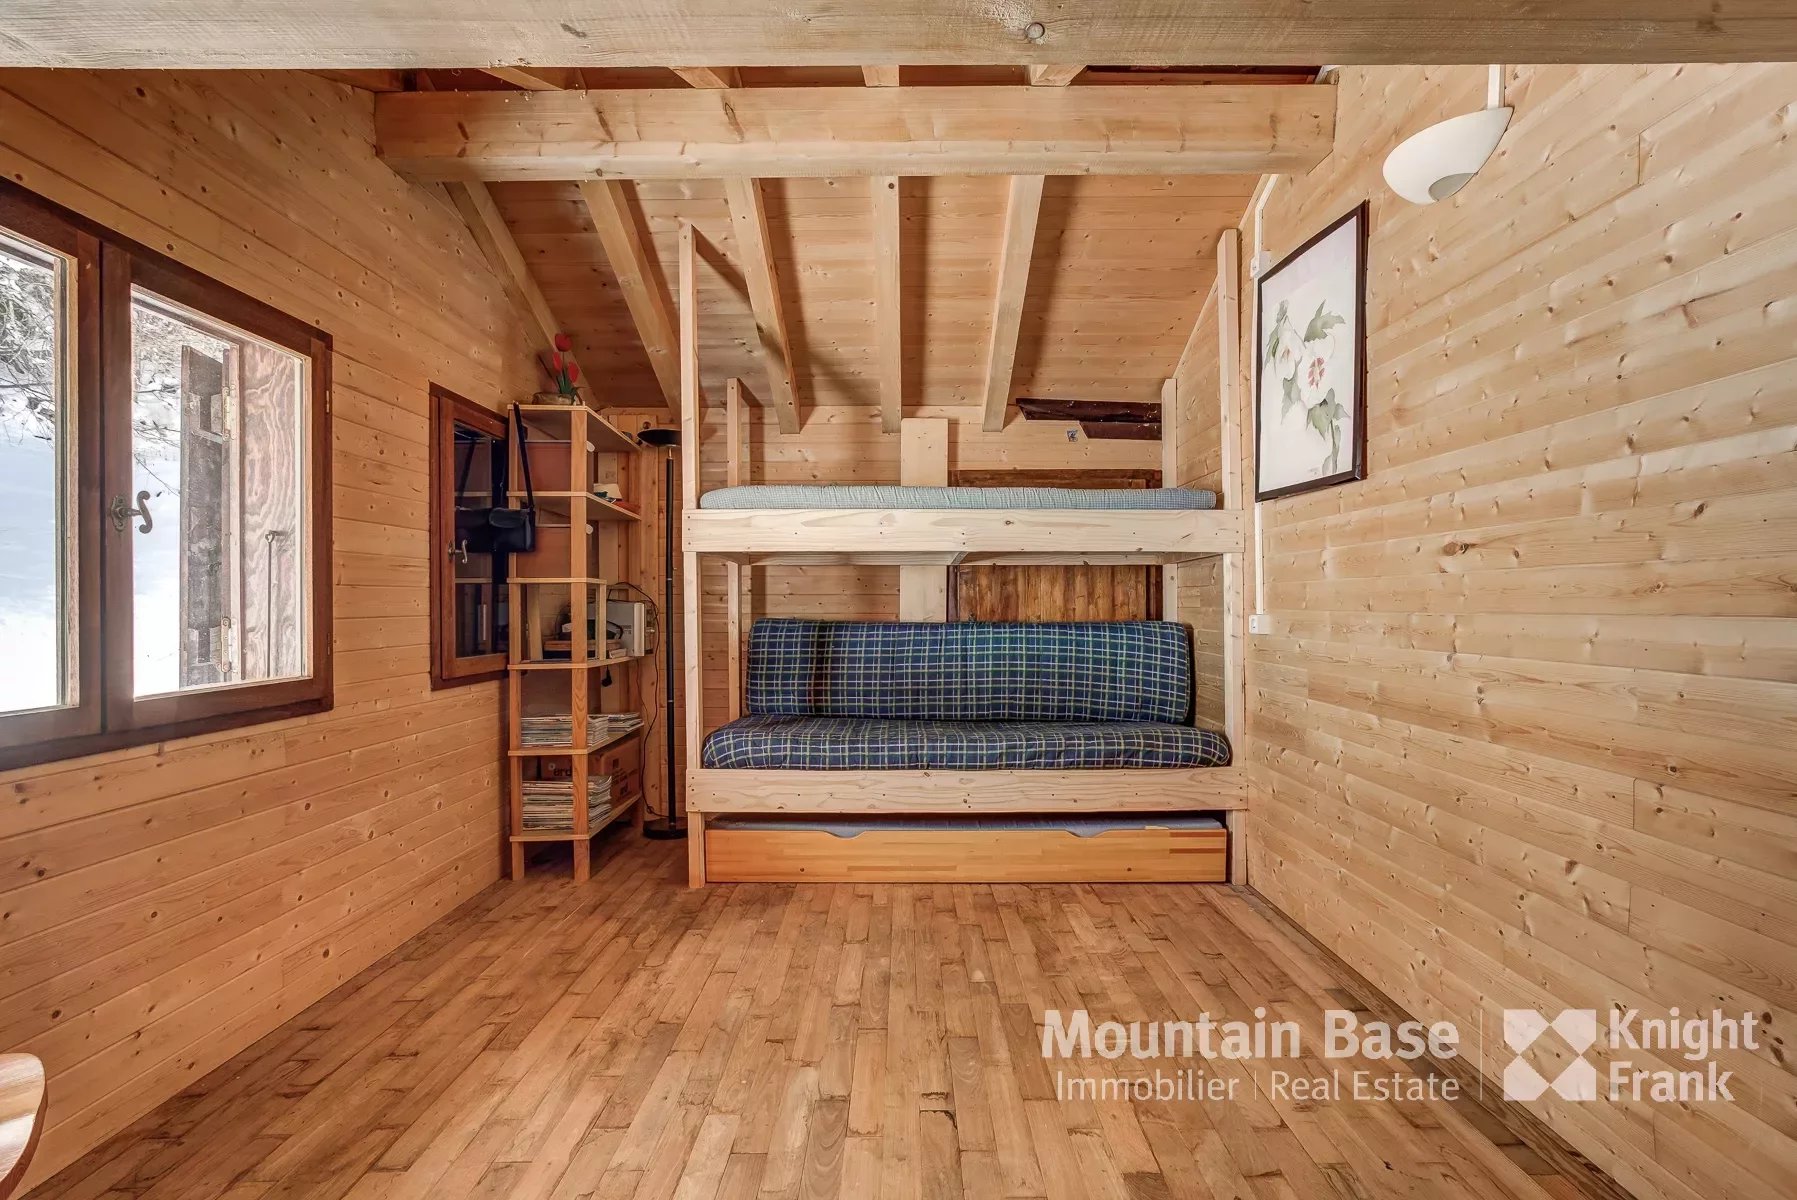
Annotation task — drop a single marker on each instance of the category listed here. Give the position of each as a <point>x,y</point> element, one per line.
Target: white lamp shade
<point>1437,162</point>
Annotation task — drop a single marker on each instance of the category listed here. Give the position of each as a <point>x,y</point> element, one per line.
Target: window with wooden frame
<point>164,496</point>
<point>468,592</point>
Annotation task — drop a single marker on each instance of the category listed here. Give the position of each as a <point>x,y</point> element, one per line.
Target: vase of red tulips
<point>563,372</point>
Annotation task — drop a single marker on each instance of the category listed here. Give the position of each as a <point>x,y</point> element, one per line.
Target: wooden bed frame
<point>924,543</point>
<point>963,537</point>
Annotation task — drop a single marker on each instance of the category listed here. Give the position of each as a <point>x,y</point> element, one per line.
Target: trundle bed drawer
<point>1174,849</point>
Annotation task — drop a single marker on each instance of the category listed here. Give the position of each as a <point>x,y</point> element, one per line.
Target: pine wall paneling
<point>1523,727</point>
<point>167,905</point>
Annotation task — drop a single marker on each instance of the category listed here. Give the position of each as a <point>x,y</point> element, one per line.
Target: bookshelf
<point>575,696</point>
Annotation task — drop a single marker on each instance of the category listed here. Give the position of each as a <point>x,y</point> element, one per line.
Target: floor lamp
<point>667,440</point>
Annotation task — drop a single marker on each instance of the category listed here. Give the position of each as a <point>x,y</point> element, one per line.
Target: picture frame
<point>1310,363</point>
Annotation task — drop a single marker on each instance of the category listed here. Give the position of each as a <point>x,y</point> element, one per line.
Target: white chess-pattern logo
<point>1577,1027</point>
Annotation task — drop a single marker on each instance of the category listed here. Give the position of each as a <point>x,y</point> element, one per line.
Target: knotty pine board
<point>167,905</point>
<point>1522,729</point>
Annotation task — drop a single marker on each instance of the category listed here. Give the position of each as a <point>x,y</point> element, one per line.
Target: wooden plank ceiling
<point>729,33</point>
<point>1118,265</point>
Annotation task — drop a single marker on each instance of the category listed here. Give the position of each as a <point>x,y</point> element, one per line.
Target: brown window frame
<point>449,669</point>
<point>107,714</point>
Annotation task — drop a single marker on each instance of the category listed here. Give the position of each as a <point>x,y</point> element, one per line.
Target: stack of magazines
<point>549,803</point>
<point>559,731</point>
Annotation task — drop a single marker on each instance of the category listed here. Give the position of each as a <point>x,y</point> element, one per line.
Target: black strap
<point>530,493</point>
<point>461,478</point>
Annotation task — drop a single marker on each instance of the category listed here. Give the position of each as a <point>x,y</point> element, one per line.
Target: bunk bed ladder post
<point>689,559</point>
<point>1170,478</point>
<point>1235,565</point>
<point>923,462</point>
<point>733,571</point>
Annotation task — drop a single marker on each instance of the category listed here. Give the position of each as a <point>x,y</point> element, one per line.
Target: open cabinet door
<point>208,511</point>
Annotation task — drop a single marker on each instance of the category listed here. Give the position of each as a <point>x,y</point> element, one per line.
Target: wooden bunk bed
<point>922,542</point>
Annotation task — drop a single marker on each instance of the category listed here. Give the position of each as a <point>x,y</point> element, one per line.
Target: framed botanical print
<point>1310,364</point>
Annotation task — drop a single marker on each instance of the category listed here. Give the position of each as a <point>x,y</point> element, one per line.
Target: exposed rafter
<point>834,131</point>
<point>1022,207</point>
<point>518,77</point>
<point>608,203</point>
<point>710,78</point>
<point>1054,74</point>
<point>888,299</point>
<point>748,221</point>
<point>495,239</point>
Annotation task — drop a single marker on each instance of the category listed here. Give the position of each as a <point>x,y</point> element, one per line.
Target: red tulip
<point>555,362</point>
<point>563,342</point>
<point>573,372</point>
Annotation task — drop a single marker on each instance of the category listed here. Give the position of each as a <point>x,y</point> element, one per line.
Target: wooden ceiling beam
<point>608,203</point>
<point>836,131</point>
<point>880,76</point>
<point>710,78</point>
<point>1022,208</point>
<point>748,221</point>
<point>611,33</point>
<point>1054,74</point>
<point>888,300</point>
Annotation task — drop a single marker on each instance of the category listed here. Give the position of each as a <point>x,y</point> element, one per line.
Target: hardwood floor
<point>631,1038</point>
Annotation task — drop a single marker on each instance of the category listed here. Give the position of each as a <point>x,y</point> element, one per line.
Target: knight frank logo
<point>1576,1027</point>
<point>1694,1038</point>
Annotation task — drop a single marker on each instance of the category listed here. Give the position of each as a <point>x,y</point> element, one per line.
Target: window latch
<point>122,512</point>
<point>459,550</point>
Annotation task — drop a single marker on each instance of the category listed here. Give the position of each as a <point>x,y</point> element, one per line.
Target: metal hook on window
<point>459,550</point>
<point>122,512</point>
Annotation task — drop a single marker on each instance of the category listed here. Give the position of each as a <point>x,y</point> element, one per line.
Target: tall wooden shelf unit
<point>559,658</point>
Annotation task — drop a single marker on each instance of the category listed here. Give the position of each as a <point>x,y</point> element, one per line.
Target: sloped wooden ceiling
<point>1119,268</point>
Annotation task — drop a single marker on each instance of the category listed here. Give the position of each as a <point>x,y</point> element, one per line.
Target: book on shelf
<point>559,730</point>
<point>549,803</point>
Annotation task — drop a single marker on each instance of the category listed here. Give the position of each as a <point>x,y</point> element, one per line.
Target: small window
<point>469,624</point>
<point>164,558</point>
<point>44,692</point>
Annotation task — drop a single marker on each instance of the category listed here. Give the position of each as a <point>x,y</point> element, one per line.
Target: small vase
<point>568,401</point>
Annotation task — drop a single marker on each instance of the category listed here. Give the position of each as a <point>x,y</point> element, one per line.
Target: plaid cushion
<point>929,671</point>
<point>847,744</point>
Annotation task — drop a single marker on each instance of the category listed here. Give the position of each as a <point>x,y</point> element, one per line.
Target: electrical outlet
<point>1260,623</point>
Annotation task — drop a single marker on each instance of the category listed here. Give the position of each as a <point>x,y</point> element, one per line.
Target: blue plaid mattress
<point>892,495</point>
<point>851,744</point>
<point>966,671</point>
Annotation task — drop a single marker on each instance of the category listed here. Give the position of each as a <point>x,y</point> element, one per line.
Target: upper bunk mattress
<point>891,495</point>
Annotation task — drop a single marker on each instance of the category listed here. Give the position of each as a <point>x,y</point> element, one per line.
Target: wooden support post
<point>923,462</point>
<point>888,299</point>
<point>693,643</point>
<point>733,571</point>
<point>1170,478</point>
<point>1235,566</point>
